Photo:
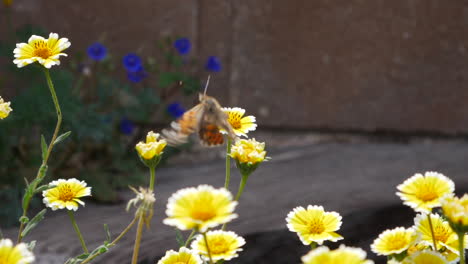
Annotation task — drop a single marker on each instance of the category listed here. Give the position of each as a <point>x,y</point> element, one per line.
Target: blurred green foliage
<point>94,101</point>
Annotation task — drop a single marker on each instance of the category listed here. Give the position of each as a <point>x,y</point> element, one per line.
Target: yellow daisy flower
<point>184,256</point>
<point>222,244</point>
<point>393,241</point>
<point>45,51</point>
<point>456,210</point>
<point>425,257</point>
<point>152,147</point>
<point>248,151</point>
<point>314,224</point>
<point>341,255</point>
<point>65,194</point>
<point>5,108</point>
<point>18,254</point>
<point>393,261</point>
<point>424,192</point>
<point>444,235</point>
<point>202,208</point>
<point>240,124</point>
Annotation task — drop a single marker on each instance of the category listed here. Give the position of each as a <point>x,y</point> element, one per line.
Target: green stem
<point>239,192</point>
<point>242,186</point>
<point>88,259</point>
<point>228,164</point>
<point>75,226</point>
<point>43,168</point>
<point>190,237</point>
<point>432,231</point>
<point>208,248</point>
<point>136,247</point>
<point>461,246</point>
<point>152,178</point>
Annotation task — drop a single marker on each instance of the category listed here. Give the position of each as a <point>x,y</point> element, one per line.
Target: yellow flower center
<point>203,215</point>
<point>315,227</point>
<point>396,242</point>
<point>65,193</point>
<point>180,262</point>
<point>441,233</point>
<point>426,194</point>
<point>235,120</point>
<point>218,246</point>
<point>41,50</point>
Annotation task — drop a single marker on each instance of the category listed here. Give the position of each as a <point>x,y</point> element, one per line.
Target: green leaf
<point>179,238</point>
<point>100,250</point>
<point>166,79</point>
<point>43,147</point>
<point>108,234</point>
<point>28,193</point>
<point>33,223</point>
<point>24,219</point>
<point>42,188</point>
<point>62,137</point>
<point>31,245</point>
<point>190,85</point>
<point>78,259</point>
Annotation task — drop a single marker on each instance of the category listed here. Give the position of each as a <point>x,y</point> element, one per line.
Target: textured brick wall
<point>355,64</point>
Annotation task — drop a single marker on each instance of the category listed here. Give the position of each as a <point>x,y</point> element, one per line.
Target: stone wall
<point>343,65</point>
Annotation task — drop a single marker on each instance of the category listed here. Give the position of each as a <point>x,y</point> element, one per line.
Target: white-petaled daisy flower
<point>202,208</point>
<point>425,257</point>
<point>424,192</point>
<point>5,108</point>
<point>240,124</point>
<point>393,241</point>
<point>456,210</point>
<point>223,245</point>
<point>184,256</point>
<point>65,194</point>
<point>341,255</point>
<point>314,224</point>
<point>444,236</point>
<point>45,51</point>
<point>18,254</point>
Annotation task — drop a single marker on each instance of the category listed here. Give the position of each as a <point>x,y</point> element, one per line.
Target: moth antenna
<point>206,85</point>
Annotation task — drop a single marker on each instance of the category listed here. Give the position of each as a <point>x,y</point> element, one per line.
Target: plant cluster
<point>106,107</point>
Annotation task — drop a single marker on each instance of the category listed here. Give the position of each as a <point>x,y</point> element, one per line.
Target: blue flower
<point>183,45</point>
<point>97,51</point>
<point>213,64</point>
<point>126,126</point>
<point>138,75</point>
<point>175,109</point>
<point>132,62</point>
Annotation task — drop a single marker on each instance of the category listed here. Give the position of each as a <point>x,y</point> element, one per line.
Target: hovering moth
<point>206,118</point>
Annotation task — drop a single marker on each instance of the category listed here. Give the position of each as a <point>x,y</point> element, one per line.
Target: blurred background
<point>381,79</point>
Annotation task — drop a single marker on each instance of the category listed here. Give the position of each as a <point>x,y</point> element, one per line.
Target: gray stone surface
<point>342,65</point>
<point>350,178</point>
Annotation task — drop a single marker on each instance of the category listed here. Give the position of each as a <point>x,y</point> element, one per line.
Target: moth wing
<point>210,135</point>
<point>182,128</point>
